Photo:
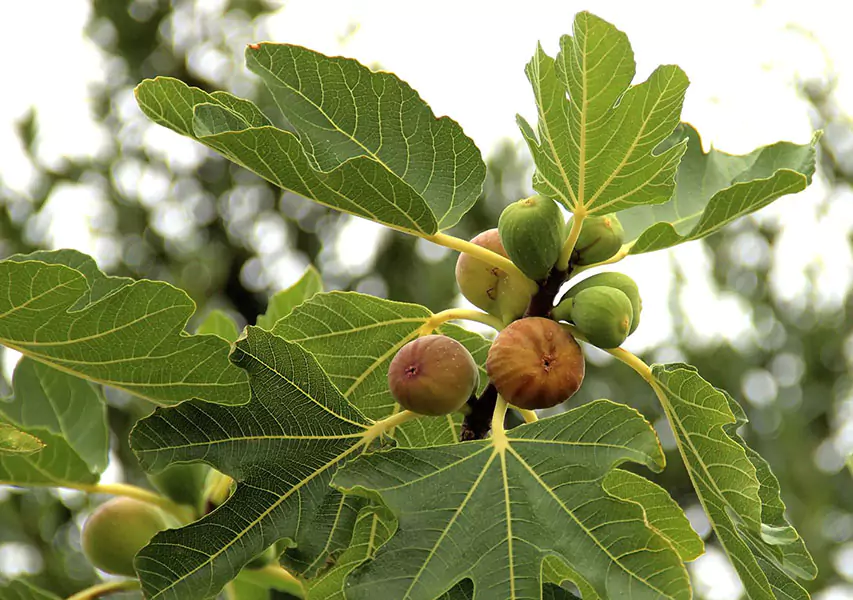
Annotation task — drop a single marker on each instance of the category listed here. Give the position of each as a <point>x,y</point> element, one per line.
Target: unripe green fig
<point>217,488</point>
<point>531,230</point>
<point>600,239</point>
<point>497,292</point>
<point>117,530</point>
<point>535,363</point>
<point>620,281</point>
<point>603,315</point>
<point>183,483</point>
<point>433,375</point>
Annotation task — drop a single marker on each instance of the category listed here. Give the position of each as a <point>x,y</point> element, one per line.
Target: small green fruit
<point>600,239</point>
<point>531,230</point>
<point>535,363</point>
<point>433,375</point>
<point>217,487</point>
<point>603,315</point>
<point>620,281</point>
<point>183,483</point>
<point>501,294</point>
<point>117,530</point>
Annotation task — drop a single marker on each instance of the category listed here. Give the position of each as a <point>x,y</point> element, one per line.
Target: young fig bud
<point>620,281</point>
<point>600,239</point>
<point>532,232</point>
<point>117,530</point>
<point>501,294</point>
<point>535,363</point>
<point>433,375</point>
<point>603,314</point>
<point>183,483</point>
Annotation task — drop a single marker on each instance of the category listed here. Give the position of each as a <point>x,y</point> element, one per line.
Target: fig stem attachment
<point>623,252</point>
<point>184,513</point>
<point>274,577</point>
<point>529,416</point>
<point>466,314</point>
<point>569,246</point>
<point>387,424</point>
<point>104,589</point>
<point>499,439</point>
<point>484,254</point>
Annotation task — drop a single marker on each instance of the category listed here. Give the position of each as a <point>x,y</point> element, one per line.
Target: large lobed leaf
<point>594,150</point>
<point>14,441</point>
<point>735,485</point>
<point>62,311</point>
<point>365,142</point>
<point>492,512</point>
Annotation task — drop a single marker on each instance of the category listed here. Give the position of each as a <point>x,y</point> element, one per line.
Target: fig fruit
<point>117,530</point>
<point>267,557</point>
<point>620,281</point>
<point>183,483</point>
<point>600,239</point>
<point>531,230</point>
<point>497,292</point>
<point>603,314</point>
<point>535,363</point>
<point>433,375</point>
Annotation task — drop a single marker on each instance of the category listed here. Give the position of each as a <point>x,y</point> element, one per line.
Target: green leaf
<point>282,448</point>
<point>66,406</point>
<point>23,590</point>
<point>493,512</point>
<point>355,336</point>
<point>740,495</point>
<point>62,311</point>
<point>219,323</point>
<point>343,110</point>
<point>662,512</point>
<point>15,441</point>
<point>714,188</point>
<point>283,302</point>
<point>595,150</point>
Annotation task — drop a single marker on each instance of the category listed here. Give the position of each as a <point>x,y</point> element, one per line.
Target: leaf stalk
<point>484,254</point>
<point>104,589</point>
<point>466,314</point>
<point>569,246</point>
<point>184,513</point>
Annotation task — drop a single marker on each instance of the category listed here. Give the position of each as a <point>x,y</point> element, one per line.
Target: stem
<point>623,252</point>
<point>274,577</point>
<point>103,589</point>
<point>478,421</point>
<point>484,254</point>
<point>569,246</point>
<point>460,313</point>
<point>498,432</point>
<point>528,415</point>
<point>183,513</point>
<point>381,427</point>
<point>634,362</point>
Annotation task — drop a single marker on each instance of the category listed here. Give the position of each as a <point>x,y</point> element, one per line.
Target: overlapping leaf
<point>283,302</point>
<point>492,512</point>
<point>355,336</point>
<point>282,448</point>
<point>738,491</point>
<point>714,188</point>
<point>14,441</point>
<point>367,144</point>
<point>596,150</point>
<point>61,311</point>
<point>219,323</point>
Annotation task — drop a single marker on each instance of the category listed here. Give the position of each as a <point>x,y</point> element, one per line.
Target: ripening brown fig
<point>497,292</point>
<point>117,530</point>
<point>433,375</point>
<point>535,363</point>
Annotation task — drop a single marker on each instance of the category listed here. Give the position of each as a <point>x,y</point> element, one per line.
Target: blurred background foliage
<point>230,239</point>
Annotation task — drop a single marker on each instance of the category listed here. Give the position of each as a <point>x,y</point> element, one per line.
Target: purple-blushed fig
<point>117,530</point>
<point>600,239</point>
<point>535,363</point>
<point>497,292</point>
<point>433,375</point>
<point>620,281</point>
<point>602,314</point>
<point>532,233</point>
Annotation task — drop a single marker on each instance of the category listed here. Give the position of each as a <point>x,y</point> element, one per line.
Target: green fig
<point>497,292</point>
<point>433,375</point>
<point>531,230</point>
<point>265,558</point>
<point>620,281</point>
<point>183,483</point>
<point>603,315</point>
<point>117,530</point>
<point>600,239</point>
<point>535,363</point>
<point>217,488</point>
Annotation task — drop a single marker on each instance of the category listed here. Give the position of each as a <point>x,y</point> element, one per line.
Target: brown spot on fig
<point>433,375</point>
<point>535,363</point>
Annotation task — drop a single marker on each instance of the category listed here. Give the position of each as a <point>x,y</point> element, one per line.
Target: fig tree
<point>183,483</point>
<point>531,230</point>
<point>603,314</point>
<point>600,239</point>
<point>497,292</point>
<point>535,363</point>
<point>620,281</point>
<point>433,375</point>
<point>117,530</point>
